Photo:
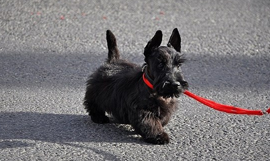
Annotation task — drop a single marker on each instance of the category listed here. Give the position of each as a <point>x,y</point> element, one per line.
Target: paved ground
<point>48,48</point>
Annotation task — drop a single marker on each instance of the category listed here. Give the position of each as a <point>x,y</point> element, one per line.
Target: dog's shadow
<point>59,128</point>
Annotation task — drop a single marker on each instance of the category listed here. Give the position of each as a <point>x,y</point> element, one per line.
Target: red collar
<point>147,82</point>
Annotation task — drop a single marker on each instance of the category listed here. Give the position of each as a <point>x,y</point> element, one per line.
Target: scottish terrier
<point>143,96</point>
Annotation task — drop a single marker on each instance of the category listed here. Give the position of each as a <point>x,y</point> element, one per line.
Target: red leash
<point>225,108</point>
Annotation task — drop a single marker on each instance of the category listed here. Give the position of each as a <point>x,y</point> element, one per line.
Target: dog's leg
<point>151,129</point>
<point>97,115</point>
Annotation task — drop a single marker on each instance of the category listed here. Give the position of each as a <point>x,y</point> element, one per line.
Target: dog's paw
<point>100,119</point>
<point>163,138</point>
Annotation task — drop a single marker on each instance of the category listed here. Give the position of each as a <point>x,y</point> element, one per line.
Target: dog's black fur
<point>117,87</point>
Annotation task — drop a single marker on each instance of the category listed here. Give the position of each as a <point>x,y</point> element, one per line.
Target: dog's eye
<point>161,65</point>
<point>178,65</point>
<point>178,61</point>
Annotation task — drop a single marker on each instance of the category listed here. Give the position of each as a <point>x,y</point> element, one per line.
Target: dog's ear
<point>112,46</point>
<point>153,43</point>
<point>175,40</point>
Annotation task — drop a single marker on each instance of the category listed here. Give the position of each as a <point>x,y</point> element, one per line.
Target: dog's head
<point>163,65</point>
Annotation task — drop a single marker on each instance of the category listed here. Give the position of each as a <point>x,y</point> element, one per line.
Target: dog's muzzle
<point>173,88</point>
<point>173,84</point>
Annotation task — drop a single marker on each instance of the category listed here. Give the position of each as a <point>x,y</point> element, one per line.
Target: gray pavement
<point>48,48</point>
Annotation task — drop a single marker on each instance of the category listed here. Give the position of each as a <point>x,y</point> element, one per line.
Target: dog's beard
<point>170,95</point>
<point>169,92</point>
<point>164,88</point>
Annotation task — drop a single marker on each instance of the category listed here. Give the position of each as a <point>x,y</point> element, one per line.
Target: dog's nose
<point>184,84</point>
<point>176,84</point>
<point>171,84</point>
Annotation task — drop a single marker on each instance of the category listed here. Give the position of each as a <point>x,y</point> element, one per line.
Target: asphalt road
<point>48,48</point>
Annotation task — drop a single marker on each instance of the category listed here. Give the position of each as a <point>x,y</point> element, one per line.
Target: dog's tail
<point>112,47</point>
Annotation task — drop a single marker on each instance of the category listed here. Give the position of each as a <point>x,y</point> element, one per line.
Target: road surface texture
<point>48,49</point>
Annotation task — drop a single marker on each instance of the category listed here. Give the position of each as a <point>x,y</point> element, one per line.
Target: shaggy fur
<point>117,87</point>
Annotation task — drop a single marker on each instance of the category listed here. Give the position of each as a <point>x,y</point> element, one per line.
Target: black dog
<point>141,96</point>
